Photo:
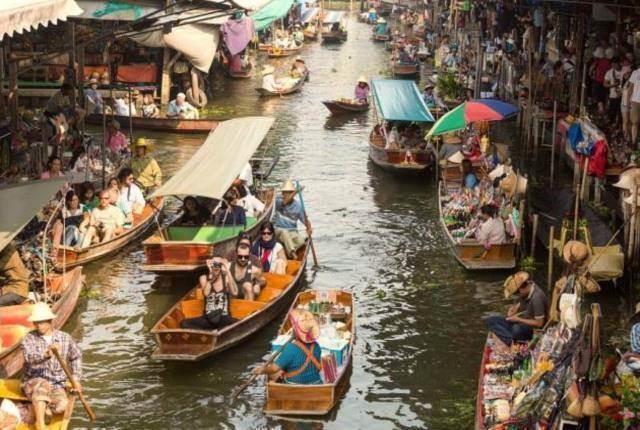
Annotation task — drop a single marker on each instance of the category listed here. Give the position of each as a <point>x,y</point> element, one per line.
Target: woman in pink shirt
<point>54,168</point>
<point>117,141</point>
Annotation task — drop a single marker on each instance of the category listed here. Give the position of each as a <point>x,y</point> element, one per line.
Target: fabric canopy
<point>21,203</point>
<point>332,16</point>
<point>272,11</point>
<point>309,14</point>
<point>212,169</point>
<point>470,112</point>
<point>399,100</point>
<point>17,16</point>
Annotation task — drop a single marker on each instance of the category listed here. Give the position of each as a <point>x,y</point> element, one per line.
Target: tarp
<point>332,16</point>
<point>213,168</point>
<point>21,203</point>
<point>272,11</point>
<point>309,14</point>
<point>117,10</point>
<point>17,16</point>
<point>399,100</point>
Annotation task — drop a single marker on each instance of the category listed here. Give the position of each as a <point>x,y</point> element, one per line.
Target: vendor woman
<point>469,179</point>
<point>522,318</point>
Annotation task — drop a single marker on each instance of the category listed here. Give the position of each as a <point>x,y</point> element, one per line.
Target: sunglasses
<point>243,257</point>
<point>267,233</point>
<point>104,198</point>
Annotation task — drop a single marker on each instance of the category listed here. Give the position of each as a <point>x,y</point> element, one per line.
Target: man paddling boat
<point>288,212</point>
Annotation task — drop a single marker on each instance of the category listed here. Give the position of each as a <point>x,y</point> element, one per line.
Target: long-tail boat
<point>330,21</point>
<point>68,257</point>
<point>399,101</point>
<point>345,106</point>
<point>277,52</point>
<point>296,399</point>
<point>10,389</point>
<point>209,173</point>
<point>175,343</point>
<point>174,125</point>
<point>405,69</point>
<point>285,91</point>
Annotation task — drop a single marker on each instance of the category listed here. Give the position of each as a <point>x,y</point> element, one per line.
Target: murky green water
<point>419,329</point>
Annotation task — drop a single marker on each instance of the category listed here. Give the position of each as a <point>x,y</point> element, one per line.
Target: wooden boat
<point>10,389</point>
<point>479,418</point>
<point>471,254</point>
<point>71,257</point>
<point>334,36</point>
<point>179,248</point>
<point>264,47</point>
<point>275,52</point>
<point>310,34</point>
<point>14,325</point>
<point>174,125</point>
<point>344,106</point>
<point>399,161</point>
<point>296,399</point>
<point>175,343</point>
<point>405,70</point>
<point>242,74</point>
<point>293,89</point>
<point>381,37</point>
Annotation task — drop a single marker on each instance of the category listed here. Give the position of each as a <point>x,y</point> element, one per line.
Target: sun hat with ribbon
<point>576,252</point>
<point>41,312</point>
<point>304,324</point>
<point>514,282</point>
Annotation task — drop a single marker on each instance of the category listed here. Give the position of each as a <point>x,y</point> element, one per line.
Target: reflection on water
<point>419,330</point>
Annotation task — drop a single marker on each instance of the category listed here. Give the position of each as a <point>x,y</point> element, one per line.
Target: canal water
<point>419,314</point>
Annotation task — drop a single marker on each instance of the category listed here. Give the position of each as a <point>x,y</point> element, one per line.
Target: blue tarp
<point>399,100</point>
<point>272,11</point>
<point>332,16</point>
<point>309,14</point>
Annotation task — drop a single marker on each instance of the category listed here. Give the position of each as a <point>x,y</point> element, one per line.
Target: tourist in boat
<point>66,228</point>
<point>269,251</point>
<point>469,178</point>
<point>451,144</point>
<point>106,222</point>
<point>54,168</point>
<point>216,289</point>
<point>149,107</point>
<point>522,318</point>
<point>491,231</point>
<point>230,213</point>
<point>246,276</point>
<point>252,206</point>
<point>145,167</point>
<point>288,211</point>
<point>93,98</point>
<point>113,189</point>
<point>131,199</point>
<point>362,90</point>
<point>14,278</point>
<point>393,138</point>
<point>125,106</point>
<point>298,35</point>
<point>88,198</point>
<point>181,108</point>
<point>117,142</point>
<point>299,68</point>
<point>43,379</point>
<point>300,360</point>
<point>193,213</point>
<point>269,81</point>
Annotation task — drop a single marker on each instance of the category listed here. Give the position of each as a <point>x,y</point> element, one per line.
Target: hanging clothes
<point>598,159</point>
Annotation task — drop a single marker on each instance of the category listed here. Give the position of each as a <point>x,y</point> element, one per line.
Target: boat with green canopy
<point>208,175</point>
<point>396,143</point>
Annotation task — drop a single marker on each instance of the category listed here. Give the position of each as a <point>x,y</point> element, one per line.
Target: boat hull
<point>337,107</point>
<point>175,125</point>
<point>328,37</point>
<point>406,70</point>
<point>281,53</point>
<point>396,160</point>
<point>294,89</point>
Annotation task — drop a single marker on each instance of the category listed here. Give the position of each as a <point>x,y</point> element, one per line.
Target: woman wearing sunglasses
<point>271,253</point>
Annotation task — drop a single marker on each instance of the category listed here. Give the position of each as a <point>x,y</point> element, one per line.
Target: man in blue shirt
<point>288,213</point>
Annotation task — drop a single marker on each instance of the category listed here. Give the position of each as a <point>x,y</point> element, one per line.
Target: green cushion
<point>207,233</point>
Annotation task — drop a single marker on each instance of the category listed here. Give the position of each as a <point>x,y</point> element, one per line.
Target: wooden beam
<point>13,94</point>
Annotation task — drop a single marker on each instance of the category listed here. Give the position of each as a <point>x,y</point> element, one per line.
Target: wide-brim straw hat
<point>299,58</point>
<point>268,69</point>
<point>513,283</point>
<point>628,178</point>
<point>145,143</point>
<point>514,184</point>
<point>363,79</point>
<point>451,139</point>
<point>288,186</point>
<point>456,158</point>
<point>304,324</point>
<point>576,252</point>
<point>41,312</point>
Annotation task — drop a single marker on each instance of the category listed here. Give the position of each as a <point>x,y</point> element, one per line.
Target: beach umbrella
<point>472,111</point>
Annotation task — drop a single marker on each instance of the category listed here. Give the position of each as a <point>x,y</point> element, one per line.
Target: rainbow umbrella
<point>472,111</point>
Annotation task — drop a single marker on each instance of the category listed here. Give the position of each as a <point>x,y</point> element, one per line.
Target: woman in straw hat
<point>145,168</point>
<point>529,313</point>
<point>43,379</point>
<point>361,92</point>
<point>300,361</point>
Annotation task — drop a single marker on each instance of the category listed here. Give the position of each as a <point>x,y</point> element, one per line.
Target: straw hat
<point>456,158</point>
<point>382,21</point>
<point>451,139</point>
<point>304,324</point>
<point>105,75</point>
<point>299,58</point>
<point>514,184</point>
<point>362,79</point>
<point>288,186</point>
<point>629,200</point>
<point>514,282</point>
<point>115,124</point>
<point>570,119</point>
<point>144,142</point>
<point>575,252</point>
<point>268,69</point>
<point>41,312</point>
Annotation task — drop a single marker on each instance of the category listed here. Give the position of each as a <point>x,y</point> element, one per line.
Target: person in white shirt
<point>634,91</point>
<point>625,108</point>
<point>181,108</point>
<point>491,231</point>
<point>131,199</point>
<point>613,81</point>
<point>125,106</point>
<point>393,138</point>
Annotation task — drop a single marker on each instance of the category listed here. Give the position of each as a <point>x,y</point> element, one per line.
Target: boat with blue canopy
<point>396,143</point>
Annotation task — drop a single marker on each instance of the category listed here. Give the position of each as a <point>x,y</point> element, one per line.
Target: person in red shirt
<point>599,68</point>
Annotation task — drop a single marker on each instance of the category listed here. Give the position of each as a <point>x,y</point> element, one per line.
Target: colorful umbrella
<point>472,111</point>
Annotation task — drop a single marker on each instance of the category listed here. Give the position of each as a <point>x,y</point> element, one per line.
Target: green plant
<point>528,264</point>
<point>449,87</point>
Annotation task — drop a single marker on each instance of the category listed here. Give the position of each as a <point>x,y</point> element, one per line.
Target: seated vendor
<point>300,66</point>
<point>300,360</point>
<point>361,91</point>
<point>230,213</point>
<point>450,145</point>
<point>14,278</point>
<point>522,318</point>
<point>491,231</point>
<point>469,178</point>
<point>193,213</point>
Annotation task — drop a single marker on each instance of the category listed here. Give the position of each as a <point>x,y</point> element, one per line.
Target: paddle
<point>67,372</point>
<point>313,248</point>
<point>254,376</point>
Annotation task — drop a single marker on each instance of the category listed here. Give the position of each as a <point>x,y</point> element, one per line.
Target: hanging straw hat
<point>363,79</point>
<point>575,252</point>
<point>304,325</point>
<point>268,69</point>
<point>41,312</point>
<point>514,282</point>
<point>456,158</point>
<point>451,139</point>
<point>514,184</point>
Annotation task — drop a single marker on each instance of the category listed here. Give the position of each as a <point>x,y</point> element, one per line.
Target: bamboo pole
<point>520,227</point>
<point>576,210</point>
<point>533,234</point>
<point>553,143</point>
<point>550,259</point>
<point>633,226</point>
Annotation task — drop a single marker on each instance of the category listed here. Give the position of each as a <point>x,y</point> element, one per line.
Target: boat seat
<point>293,266</point>
<point>169,323</point>
<point>277,281</point>
<point>268,294</point>
<point>10,389</point>
<point>192,308</point>
<point>240,308</point>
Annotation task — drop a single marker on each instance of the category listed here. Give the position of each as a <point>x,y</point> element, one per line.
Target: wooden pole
<point>479,54</point>
<point>553,142</point>
<point>520,227</point>
<point>633,227</point>
<point>533,235</point>
<point>550,259</point>
<point>130,115</point>
<point>3,105</point>
<point>576,210</point>
<point>74,383</point>
<point>165,85</point>
<point>13,93</point>
<point>72,63</point>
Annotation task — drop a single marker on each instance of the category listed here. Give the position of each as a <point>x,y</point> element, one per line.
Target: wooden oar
<point>313,248</point>
<point>74,383</point>
<point>254,376</point>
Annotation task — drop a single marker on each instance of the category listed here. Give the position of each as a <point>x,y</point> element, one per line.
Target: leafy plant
<point>528,264</point>
<point>449,87</point>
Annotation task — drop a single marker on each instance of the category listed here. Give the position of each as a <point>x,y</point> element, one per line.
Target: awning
<point>309,14</point>
<point>399,100</point>
<point>332,16</point>
<point>117,11</point>
<point>213,168</point>
<point>21,202</point>
<point>272,11</point>
<point>17,16</point>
